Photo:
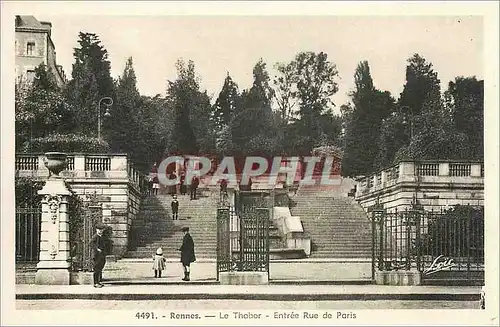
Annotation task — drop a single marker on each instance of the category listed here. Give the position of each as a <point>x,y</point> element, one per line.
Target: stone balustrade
<point>434,183</point>
<point>82,166</point>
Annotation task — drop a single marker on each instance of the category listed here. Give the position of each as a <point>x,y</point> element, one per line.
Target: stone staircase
<point>336,224</point>
<point>155,228</point>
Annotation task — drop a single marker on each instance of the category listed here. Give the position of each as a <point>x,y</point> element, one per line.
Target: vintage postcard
<point>249,163</point>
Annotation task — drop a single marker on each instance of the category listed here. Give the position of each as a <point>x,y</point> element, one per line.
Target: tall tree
<point>227,103</point>
<point>123,125</point>
<point>252,128</point>
<point>181,97</point>
<point>91,81</point>
<point>370,107</point>
<point>201,123</point>
<point>316,83</point>
<point>467,111</point>
<point>156,126</point>
<point>310,82</point>
<point>429,125</point>
<point>285,93</point>
<point>421,87</point>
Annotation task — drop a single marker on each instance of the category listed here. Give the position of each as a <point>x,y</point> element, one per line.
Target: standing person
<point>159,262</point>
<point>98,246</point>
<point>154,169</point>
<point>223,186</point>
<point>187,253</point>
<point>173,187</point>
<point>223,190</point>
<point>194,185</point>
<point>183,189</point>
<point>156,184</point>
<point>150,185</point>
<point>175,208</point>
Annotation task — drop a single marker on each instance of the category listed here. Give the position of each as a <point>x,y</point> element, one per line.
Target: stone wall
<point>112,180</point>
<point>25,62</point>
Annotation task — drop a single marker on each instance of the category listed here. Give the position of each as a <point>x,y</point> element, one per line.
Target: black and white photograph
<point>250,163</point>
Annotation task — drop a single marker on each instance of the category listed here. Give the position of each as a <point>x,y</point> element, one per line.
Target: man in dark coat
<point>175,208</point>
<point>187,253</point>
<point>194,185</point>
<point>98,246</point>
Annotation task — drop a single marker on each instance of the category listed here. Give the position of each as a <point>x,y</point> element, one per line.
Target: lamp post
<point>106,114</point>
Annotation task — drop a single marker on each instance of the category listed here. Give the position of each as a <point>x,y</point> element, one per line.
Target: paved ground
<point>300,270</point>
<point>247,292</point>
<point>238,305</point>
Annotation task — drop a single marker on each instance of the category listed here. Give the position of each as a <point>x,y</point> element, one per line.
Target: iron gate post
<point>381,247</point>
<point>418,243</point>
<point>378,214</point>
<point>374,230</point>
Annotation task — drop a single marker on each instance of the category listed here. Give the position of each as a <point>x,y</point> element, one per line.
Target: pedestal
<point>398,278</point>
<point>54,264</point>
<point>243,278</point>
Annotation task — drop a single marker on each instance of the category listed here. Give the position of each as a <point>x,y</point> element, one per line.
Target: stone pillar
<point>54,264</point>
<point>406,168</point>
<point>383,178</point>
<point>475,170</point>
<point>444,169</point>
<point>79,162</point>
<point>42,170</point>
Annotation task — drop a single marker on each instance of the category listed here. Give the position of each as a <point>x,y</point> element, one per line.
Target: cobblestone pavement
<point>238,305</point>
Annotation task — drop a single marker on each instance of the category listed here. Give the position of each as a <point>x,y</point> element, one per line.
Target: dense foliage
<point>68,143</point>
<point>288,112</point>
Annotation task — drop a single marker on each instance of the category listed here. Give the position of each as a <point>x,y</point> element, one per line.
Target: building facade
<point>33,47</point>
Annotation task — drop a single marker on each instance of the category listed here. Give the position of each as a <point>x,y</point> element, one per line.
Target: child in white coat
<point>159,262</point>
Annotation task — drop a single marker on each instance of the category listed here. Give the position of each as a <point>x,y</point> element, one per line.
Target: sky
<point>233,44</point>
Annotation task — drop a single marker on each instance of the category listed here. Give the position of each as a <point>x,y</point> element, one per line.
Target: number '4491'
<point>145,315</point>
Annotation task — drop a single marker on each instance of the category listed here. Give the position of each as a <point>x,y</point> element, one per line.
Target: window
<point>30,75</point>
<point>30,48</point>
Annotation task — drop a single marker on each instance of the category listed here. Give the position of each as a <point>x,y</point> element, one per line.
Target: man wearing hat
<point>98,245</point>
<point>187,253</point>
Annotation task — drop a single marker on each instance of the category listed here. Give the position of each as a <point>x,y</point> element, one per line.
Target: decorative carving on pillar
<point>54,201</point>
<point>53,252</point>
<point>53,204</point>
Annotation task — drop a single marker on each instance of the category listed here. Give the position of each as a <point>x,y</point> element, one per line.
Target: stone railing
<point>437,172</point>
<point>82,166</point>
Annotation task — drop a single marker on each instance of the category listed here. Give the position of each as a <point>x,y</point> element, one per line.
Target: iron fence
<point>243,232</point>
<point>28,224</point>
<point>440,244</point>
<point>81,251</point>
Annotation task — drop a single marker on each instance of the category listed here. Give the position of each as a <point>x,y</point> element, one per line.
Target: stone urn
<point>55,163</point>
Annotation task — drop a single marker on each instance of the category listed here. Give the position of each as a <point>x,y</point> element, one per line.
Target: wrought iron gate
<point>243,233</point>
<point>81,253</point>
<point>447,247</point>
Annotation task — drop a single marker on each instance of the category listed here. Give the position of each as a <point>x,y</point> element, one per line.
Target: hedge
<point>66,143</point>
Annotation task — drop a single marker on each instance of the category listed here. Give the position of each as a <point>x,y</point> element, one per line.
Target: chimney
<point>48,26</point>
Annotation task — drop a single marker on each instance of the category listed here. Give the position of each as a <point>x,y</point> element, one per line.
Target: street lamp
<point>106,114</point>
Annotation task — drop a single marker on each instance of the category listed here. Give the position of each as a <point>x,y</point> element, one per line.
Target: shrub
<point>457,232</point>
<point>66,143</point>
<point>26,190</point>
